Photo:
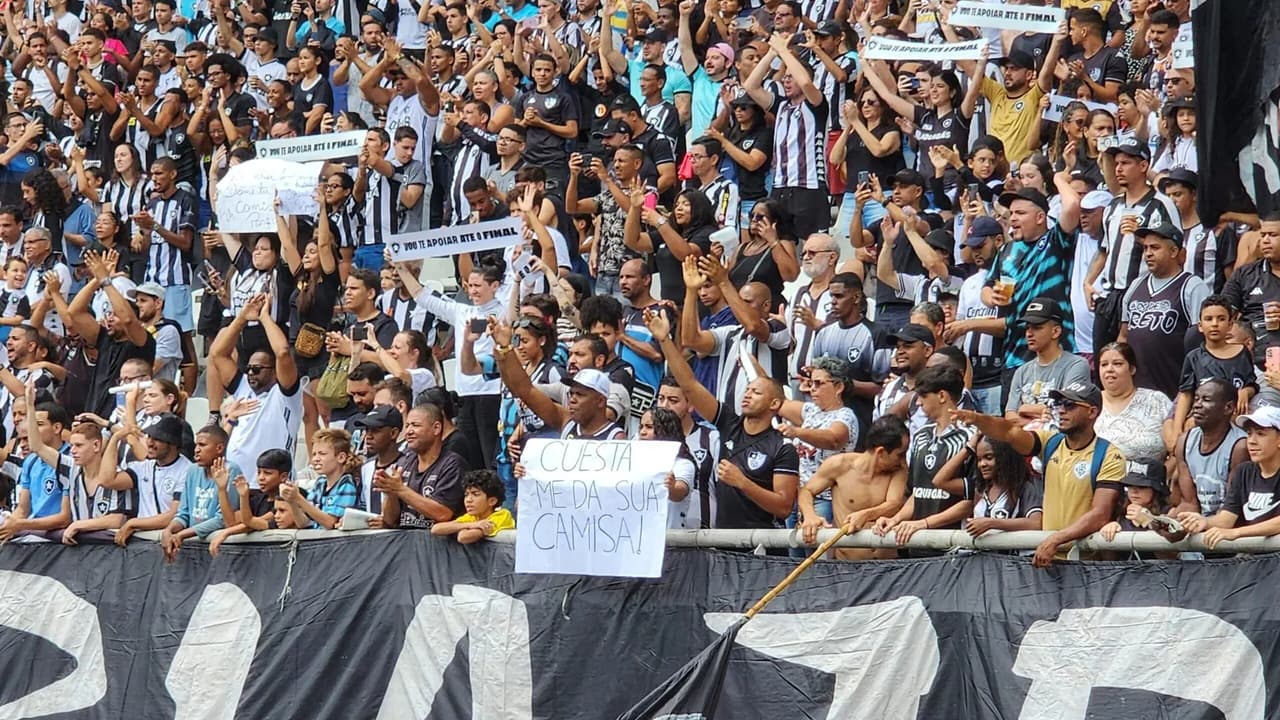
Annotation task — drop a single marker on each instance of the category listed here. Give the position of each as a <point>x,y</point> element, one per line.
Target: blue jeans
<point>369,256</point>
<point>989,400</point>
<point>177,306</point>
<point>823,508</point>
<point>607,284</point>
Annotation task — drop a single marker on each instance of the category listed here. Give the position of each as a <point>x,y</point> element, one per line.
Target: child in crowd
<point>1148,497</point>
<point>1006,496</point>
<point>15,306</point>
<point>256,509</point>
<point>206,506</point>
<point>482,496</point>
<point>1217,357</point>
<point>335,490</point>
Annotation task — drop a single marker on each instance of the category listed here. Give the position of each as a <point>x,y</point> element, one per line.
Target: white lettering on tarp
<point>882,48</point>
<point>869,649</point>
<point>593,507</point>
<point>456,239</point>
<point>46,608</point>
<point>1172,651</point>
<point>212,663</point>
<point>1007,17</point>
<point>313,147</point>
<point>1184,53</point>
<point>501,667</point>
<point>1058,104</point>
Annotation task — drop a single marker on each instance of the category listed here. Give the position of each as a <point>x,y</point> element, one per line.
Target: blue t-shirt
<point>40,479</point>
<point>677,81</point>
<point>198,507</point>
<point>524,13</point>
<point>706,95</point>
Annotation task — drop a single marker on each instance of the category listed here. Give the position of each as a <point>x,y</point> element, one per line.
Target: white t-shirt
<point>273,426</point>
<point>157,485</point>
<point>685,514</point>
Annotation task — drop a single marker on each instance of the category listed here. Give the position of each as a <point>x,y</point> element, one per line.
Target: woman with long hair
<point>1138,421</point>
<point>1177,137</point>
<point>871,144</point>
<point>313,95</point>
<point>1006,497</point>
<point>671,239</point>
<point>111,233</point>
<point>768,252</point>
<point>1071,129</point>
<point>46,204</point>
<point>128,189</point>
<point>685,511</point>
<point>941,112</point>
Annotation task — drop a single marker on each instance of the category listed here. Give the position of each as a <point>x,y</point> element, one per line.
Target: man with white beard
<point>811,305</point>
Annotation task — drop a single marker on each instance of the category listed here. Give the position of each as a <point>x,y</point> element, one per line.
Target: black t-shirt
<point>442,482</point>
<point>951,130</point>
<point>760,457</point>
<point>320,310</point>
<point>112,355</point>
<point>305,99</point>
<point>620,372</point>
<point>466,448</point>
<point>556,107</point>
<point>926,457</point>
<point>1200,365</point>
<point>669,269</point>
<point>1251,497</point>
<point>1036,45</point>
<point>1105,66</point>
<point>751,183</point>
<point>95,138</point>
<point>238,107</point>
<point>859,157</point>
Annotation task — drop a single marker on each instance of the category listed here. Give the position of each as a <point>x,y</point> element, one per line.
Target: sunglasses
<point>255,369</point>
<point>814,253</point>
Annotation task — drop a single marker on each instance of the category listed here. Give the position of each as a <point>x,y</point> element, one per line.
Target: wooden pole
<point>777,590</point>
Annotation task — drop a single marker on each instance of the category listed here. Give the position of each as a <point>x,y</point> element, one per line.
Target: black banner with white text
<point>404,626</point>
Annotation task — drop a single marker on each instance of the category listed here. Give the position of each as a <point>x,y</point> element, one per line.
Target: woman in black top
<point>672,239</point>
<point>46,205</point>
<point>316,290</point>
<point>945,120</point>
<point>312,96</point>
<point>749,144</point>
<point>112,234</point>
<point>869,143</point>
<point>769,254</point>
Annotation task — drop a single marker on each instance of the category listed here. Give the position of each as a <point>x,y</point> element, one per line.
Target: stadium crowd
<point>889,295</point>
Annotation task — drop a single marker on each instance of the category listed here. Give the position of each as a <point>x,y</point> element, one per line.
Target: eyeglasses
<point>815,382</point>
<point>869,101</point>
<point>814,253</point>
<point>1064,404</point>
<point>255,369</point>
<point>215,73</point>
<point>134,379</point>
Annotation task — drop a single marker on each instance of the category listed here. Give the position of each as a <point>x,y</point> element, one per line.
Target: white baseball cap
<point>591,379</point>
<point>1263,416</point>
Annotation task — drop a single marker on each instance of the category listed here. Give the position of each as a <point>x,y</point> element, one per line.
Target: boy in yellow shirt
<point>482,496</point>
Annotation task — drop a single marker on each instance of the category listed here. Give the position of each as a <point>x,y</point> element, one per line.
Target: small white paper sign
<point>593,507</point>
<point>246,195</point>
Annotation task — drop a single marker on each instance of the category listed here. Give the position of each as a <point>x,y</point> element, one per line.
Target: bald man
<point>767,338</point>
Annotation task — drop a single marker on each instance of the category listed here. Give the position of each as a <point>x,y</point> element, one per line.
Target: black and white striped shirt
<point>347,225</point>
<point>406,313</point>
<point>126,200</point>
<point>471,161</point>
<point>1124,252</point>
<point>136,135</point>
<point>168,265</point>
<point>724,201</point>
<point>799,144</point>
<point>834,91</point>
<point>802,336</point>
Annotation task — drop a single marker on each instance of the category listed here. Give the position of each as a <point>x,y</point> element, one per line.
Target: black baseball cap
<point>913,332</point>
<point>1164,230</point>
<point>828,28</point>
<point>1019,58</point>
<point>743,100</point>
<point>1148,473</point>
<point>1081,393</point>
<point>1172,105</point>
<point>1181,176</point>
<point>611,128</point>
<point>625,103</point>
<point>982,228</point>
<point>941,240</point>
<point>656,35</point>
<point>167,429</point>
<point>909,177</point>
<point>381,416</point>
<point>1031,195</point>
<point>1042,310</point>
<point>1132,148</point>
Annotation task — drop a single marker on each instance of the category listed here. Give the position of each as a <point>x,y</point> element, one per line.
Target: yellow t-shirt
<point>1068,491</point>
<point>1012,119</point>
<point>501,519</point>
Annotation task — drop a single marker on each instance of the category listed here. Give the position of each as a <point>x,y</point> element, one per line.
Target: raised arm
<point>998,428</point>
<point>286,368</point>
<point>800,72</point>
<point>692,335</point>
<point>699,397</point>
<point>751,322</point>
<point>517,379</point>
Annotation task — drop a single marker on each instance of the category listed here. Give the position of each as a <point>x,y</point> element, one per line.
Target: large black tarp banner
<point>1237,68</point>
<point>403,626</point>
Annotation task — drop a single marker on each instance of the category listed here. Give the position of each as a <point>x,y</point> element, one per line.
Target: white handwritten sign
<point>1023,18</point>
<point>591,507</point>
<point>881,48</point>
<point>1058,103</point>
<point>457,239</point>
<point>313,147</point>
<point>1184,48</point>
<point>246,195</point>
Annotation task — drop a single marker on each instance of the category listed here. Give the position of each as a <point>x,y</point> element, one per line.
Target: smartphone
<point>973,192</point>
<point>742,23</point>
<point>448,107</point>
<point>1273,358</point>
<point>915,83</point>
<point>479,325</point>
<point>864,177</point>
<point>650,200</point>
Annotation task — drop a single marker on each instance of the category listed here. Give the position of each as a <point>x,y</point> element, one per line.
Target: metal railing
<point>941,540</point>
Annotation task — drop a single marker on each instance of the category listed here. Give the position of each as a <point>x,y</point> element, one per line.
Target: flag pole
<point>786,582</point>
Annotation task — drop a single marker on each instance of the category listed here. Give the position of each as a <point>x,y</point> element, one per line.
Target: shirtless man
<point>866,486</point>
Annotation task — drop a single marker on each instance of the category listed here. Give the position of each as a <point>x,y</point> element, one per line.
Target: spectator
<point>768,253</point>
<point>758,469</point>
<point>484,517</point>
<point>156,482</point>
<point>1215,358</point>
<point>258,505</point>
<point>1253,288</point>
<point>913,344</point>
<point>1075,504</point>
<point>686,233</point>
<point>1005,496</point>
<point>822,427</point>
<point>44,488</point>
<point>1209,452</point>
<point>381,428</point>
<point>1096,64</point>
<point>1134,419</point>
<point>683,494</point>
<point>1053,368</point>
<point>426,487</point>
<point>335,489</point>
<point>850,336</point>
<point>748,143</point>
<point>1146,495</point>
<point>1248,510</point>
<point>206,505</point>
<point>977,328</point>
<point>1158,311</point>
<point>811,305</point>
<point>549,115</point>
<point>869,144</point>
<point>703,441</point>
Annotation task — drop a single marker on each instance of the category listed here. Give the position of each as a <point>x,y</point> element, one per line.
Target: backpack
<point>1100,448</point>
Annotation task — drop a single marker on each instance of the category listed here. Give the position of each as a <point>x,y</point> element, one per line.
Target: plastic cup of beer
<point>1005,287</point>
<point>1271,314</point>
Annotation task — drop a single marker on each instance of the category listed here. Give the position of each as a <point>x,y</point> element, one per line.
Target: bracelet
<point>926,523</point>
<point>502,349</point>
